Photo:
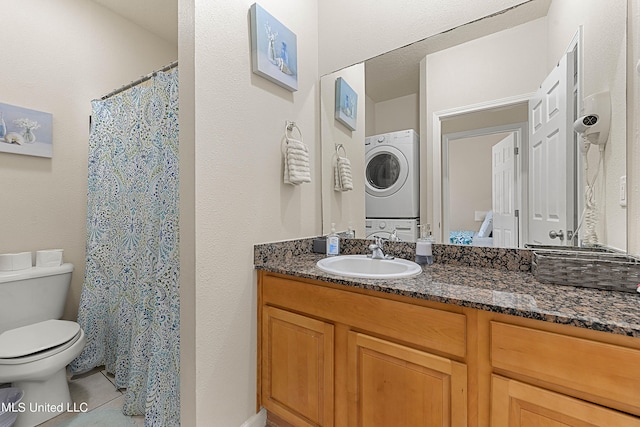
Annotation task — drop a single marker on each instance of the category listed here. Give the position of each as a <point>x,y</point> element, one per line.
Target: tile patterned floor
<point>96,388</point>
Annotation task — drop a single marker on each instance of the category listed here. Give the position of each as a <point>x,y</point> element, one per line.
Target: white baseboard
<point>258,420</point>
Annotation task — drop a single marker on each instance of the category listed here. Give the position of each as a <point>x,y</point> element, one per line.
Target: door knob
<point>559,234</point>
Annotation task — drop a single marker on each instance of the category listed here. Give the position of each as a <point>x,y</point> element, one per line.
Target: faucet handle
<point>379,241</point>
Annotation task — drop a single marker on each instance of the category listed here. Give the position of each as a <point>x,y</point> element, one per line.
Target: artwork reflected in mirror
<point>346,104</point>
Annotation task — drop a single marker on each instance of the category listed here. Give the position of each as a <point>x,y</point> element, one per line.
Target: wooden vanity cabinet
<point>345,357</point>
<point>330,357</point>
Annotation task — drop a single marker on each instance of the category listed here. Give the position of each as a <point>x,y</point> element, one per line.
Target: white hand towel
<point>296,162</point>
<point>343,180</point>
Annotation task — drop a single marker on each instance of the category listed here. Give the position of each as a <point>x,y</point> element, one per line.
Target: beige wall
<point>470,180</point>
<point>516,113</point>
<point>240,199</point>
<point>370,108</point>
<point>355,30</point>
<point>396,114</point>
<point>57,57</point>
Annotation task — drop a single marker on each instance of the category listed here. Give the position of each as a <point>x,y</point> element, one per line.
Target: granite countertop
<point>497,280</point>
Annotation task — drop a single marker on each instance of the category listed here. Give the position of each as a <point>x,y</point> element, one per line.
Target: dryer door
<point>386,172</point>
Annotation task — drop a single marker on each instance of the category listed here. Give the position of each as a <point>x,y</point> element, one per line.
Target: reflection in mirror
<point>471,175</point>
<point>494,103</point>
<point>343,208</point>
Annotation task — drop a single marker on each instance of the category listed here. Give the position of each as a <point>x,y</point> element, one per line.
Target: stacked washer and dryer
<point>393,185</point>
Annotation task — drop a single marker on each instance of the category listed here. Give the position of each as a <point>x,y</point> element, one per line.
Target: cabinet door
<point>297,368</point>
<point>516,404</point>
<point>394,385</point>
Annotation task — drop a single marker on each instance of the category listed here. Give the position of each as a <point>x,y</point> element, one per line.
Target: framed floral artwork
<point>25,131</point>
<point>274,49</point>
<point>346,104</point>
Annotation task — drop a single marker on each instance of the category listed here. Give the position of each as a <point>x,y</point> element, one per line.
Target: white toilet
<point>36,347</point>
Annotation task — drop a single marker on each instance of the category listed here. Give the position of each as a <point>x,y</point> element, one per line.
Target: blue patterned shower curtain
<point>129,307</point>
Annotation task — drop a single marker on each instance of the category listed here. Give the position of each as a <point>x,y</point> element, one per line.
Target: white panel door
<point>503,166</point>
<point>551,157</point>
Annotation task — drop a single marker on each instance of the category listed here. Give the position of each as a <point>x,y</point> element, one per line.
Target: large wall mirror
<point>495,104</point>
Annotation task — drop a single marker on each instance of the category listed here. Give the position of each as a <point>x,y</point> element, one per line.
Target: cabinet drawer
<point>605,373</point>
<point>422,326</point>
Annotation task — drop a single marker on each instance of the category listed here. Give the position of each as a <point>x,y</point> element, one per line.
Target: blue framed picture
<point>25,131</point>
<point>346,104</point>
<point>274,49</point>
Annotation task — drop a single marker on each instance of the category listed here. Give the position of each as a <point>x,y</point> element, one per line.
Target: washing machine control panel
<point>372,141</point>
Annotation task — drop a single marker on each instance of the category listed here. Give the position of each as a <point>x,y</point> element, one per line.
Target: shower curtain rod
<point>140,80</point>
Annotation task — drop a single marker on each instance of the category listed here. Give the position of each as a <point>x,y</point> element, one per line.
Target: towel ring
<point>288,129</point>
<point>338,147</point>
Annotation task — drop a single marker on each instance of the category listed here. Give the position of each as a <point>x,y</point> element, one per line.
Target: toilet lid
<point>40,336</point>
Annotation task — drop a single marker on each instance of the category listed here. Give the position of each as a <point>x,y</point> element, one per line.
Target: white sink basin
<point>367,268</point>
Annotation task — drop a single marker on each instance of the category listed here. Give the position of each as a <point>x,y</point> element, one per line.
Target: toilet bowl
<point>36,347</point>
<point>34,358</point>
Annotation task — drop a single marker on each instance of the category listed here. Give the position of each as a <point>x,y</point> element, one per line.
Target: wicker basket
<point>556,248</point>
<point>589,269</point>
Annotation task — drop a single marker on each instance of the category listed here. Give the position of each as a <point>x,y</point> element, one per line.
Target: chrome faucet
<point>376,249</point>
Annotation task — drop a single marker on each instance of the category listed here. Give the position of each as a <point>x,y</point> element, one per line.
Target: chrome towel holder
<point>289,128</point>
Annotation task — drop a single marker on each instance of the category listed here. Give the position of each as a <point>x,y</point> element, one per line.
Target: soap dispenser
<point>424,248</point>
<point>351,233</point>
<point>333,242</point>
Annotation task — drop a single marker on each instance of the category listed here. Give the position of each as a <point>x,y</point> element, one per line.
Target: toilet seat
<point>37,341</point>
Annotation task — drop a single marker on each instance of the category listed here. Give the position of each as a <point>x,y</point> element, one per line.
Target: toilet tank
<point>33,295</point>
